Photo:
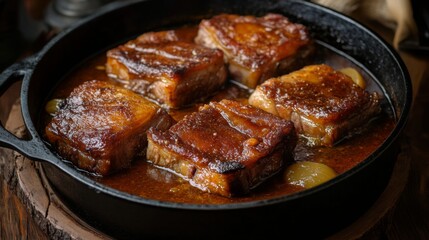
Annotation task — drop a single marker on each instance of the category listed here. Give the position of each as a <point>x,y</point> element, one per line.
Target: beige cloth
<point>394,14</point>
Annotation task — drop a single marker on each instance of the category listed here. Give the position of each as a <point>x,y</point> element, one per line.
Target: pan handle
<point>33,148</point>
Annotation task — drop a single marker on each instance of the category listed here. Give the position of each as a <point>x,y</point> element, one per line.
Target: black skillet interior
<point>317,212</point>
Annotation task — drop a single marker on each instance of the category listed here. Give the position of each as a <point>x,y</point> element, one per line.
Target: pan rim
<point>96,186</point>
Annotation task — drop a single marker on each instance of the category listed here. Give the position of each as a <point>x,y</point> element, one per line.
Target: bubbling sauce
<point>147,181</point>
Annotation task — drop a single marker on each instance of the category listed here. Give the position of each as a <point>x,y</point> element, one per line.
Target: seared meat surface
<point>256,48</point>
<point>102,127</point>
<point>225,148</point>
<point>168,67</point>
<point>183,34</point>
<point>324,104</point>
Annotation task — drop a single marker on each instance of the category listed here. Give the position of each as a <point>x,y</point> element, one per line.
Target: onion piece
<point>308,174</point>
<point>53,106</point>
<point>355,76</point>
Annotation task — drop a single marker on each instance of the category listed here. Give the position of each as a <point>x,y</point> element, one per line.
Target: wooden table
<point>29,209</point>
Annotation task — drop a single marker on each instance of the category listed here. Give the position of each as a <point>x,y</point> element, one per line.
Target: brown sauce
<point>147,181</point>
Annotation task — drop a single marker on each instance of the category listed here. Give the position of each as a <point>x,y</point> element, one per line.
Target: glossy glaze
<point>143,179</point>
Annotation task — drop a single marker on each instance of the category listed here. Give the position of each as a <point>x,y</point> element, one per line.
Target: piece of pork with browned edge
<point>257,48</point>
<point>226,148</point>
<point>181,34</point>
<point>325,105</point>
<point>101,127</point>
<point>168,68</point>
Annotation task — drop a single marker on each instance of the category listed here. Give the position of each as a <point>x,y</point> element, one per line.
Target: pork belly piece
<point>166,67</point>
<point>182,34</point>
<point>325,105</point>
<point>101,127</point>
<point>226,148</point>
<point>257,48</point>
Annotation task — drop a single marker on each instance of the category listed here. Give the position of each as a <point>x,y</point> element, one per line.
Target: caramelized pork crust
<point>102,127</point>
<point>174,73</point>
<point>225,148</point>
<point>183,34</point>
<point>256,48</point>
<point>324,104</point>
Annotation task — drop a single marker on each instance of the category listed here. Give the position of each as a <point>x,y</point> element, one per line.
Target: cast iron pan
<point>317,212</point>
